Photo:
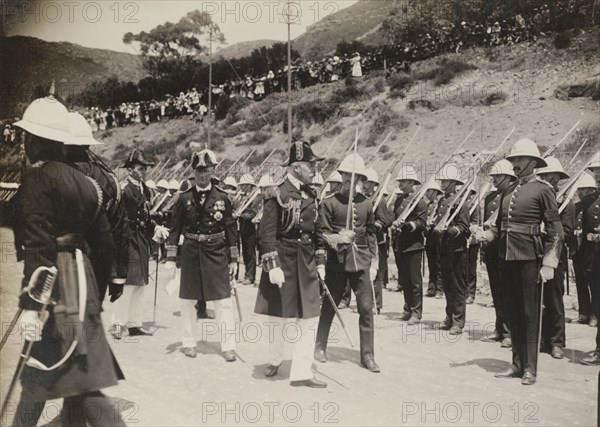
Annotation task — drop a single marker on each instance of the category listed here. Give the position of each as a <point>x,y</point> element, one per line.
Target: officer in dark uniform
<point>553,320</point>
<point>136,198</point>
<point>204,216</point>
<point>453,251</point>
<point>585,293</point>
<point>503,177</point>
<point>526,254</point>
<point>63,219</point>
<point>110,272</point>
<point>293,253</point>
<point>590,246</point>
<point>351,256</point>
<point>408,244</point>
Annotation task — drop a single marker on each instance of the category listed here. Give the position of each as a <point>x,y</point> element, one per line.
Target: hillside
<point>354,22</point>
<point>510,87</point>
<point>27,62</point>
<point>241,49</point>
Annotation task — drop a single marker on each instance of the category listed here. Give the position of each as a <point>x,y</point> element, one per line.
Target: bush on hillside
<point>310,112</point>
<point>562,40</point>
<point>350,92</point>
<point>444,72</point>
<point>258,138</point>
<point>400,81</point>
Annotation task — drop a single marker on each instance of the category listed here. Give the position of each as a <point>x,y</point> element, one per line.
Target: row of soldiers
<point>77,218</point>
<point>451,255</point>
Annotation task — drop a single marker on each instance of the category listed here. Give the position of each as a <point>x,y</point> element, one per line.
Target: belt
<point>515,227</point>
<point>299,237</point>
<point>71,241</point>
<point>204,237</point>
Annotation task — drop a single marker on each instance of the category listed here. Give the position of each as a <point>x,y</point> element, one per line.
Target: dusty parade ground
<point>428,377</point>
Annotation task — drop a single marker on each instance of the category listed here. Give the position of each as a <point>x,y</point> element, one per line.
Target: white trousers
<point>225,329</point>
<point>128,309</point>
<point>298,335</point>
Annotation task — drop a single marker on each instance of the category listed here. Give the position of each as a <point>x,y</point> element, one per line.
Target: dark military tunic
<point>491,260</point>
<point>453,262</point>
<point>107,268</point>
<point>62,212</point>
<point>349,265</point>
<point>136,200</point>
<point>585,293</point>
<point>210,243</point>
<point>408,249</point>
<point>290,238</point>
<point>591,250</point>
<point>522,250</point>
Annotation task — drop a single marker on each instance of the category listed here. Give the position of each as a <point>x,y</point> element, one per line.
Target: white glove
<point>171,268</point>
<point>233,268</point>
<point>346,236</point>
<point>161,234</point>
<point>373,273</point>
<point>547,273</point>
<point>321,271</point>
<point>32,323</point>
<point>276,276</point>
<point>482,235</point>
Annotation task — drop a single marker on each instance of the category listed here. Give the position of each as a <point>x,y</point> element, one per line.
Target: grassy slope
<point>535,70</point>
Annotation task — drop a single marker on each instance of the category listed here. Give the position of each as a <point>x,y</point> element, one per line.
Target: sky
<point>102,23</point>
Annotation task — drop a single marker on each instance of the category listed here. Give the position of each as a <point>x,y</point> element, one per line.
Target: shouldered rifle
<point>550,151</point>
<point>576,154</point>
<point>381,189</point>
<point>419,194</point>
<point>571,186</point>
<point>158,174</point>
<point>372,156</point>
<point>233,165</point>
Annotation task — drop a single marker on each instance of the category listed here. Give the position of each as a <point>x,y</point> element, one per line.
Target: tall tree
<point>175,50</point>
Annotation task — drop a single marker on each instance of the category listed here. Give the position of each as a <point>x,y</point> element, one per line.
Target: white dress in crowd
<point>356,67</point>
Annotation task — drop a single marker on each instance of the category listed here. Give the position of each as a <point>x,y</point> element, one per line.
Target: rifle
<point>553,148</point>
<point>159,173</point>
<point>381,189</point>
<point>419,195</point>
<point>264,162</point>
<point>571,186</point>
<point>576,154</point>
<point>372,156</point>
<point>233,165</point>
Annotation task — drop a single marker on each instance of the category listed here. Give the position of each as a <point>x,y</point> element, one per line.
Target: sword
<point>45,298</point>
<point>337,313</point>
<point>237,298</point>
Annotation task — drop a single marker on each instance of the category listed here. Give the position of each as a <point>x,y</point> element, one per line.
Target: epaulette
<point>269,192</point>
<point>543,181</point>
<point>222,190</point>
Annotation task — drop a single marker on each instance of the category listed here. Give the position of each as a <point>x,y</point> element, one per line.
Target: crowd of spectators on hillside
<point>392,58</point>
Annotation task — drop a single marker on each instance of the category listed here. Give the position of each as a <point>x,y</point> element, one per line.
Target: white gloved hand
<point>484,236</point>
<point>547,273</point>
<point>161,234</point>
<point>233,268</point>
<point>32,323</point>
<point>276,276</point>
<point>321,271</point>
<point>346,236</point>
<point>171,268</point>
<point>373,273</point>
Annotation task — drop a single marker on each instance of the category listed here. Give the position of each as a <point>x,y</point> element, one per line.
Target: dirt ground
<point>428,377</point>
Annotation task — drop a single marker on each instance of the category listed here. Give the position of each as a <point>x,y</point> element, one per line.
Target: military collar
<point>204,189</point>
<point>526,179</point>
<point>294,181</point>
